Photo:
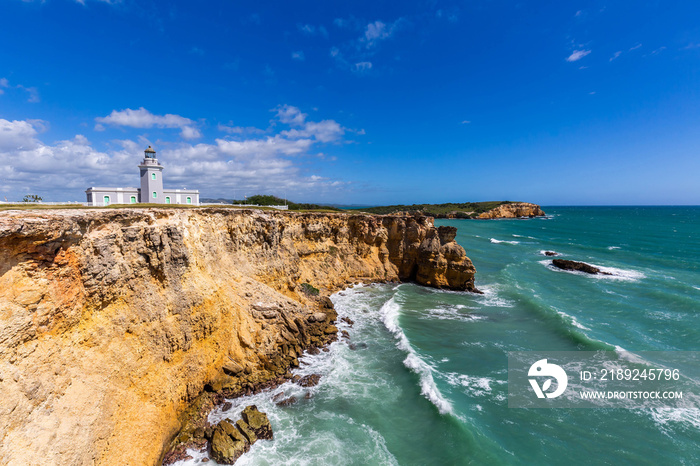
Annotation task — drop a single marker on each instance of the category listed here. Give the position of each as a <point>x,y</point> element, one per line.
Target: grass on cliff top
<point>265,200</point>
<point>434,210</point>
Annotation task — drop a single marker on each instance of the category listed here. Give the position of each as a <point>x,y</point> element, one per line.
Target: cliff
<point>114,324</point>
<point>513,210</point>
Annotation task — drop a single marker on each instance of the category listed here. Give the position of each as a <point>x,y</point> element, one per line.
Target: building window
<point>153,176</point>
<point>133,199</point>
<point>155,195</point>
<point>106,200</point>
<point>167,200</point>
<point>189,200</point>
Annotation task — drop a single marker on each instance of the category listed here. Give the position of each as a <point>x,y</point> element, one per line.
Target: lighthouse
<point>151,178</point>
<point>150,192</point>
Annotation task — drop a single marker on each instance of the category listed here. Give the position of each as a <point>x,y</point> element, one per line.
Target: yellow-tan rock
<point>514,210</point>
<point>114,323</point>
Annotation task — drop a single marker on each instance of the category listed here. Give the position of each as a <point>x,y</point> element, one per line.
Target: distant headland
<point>466,210</point>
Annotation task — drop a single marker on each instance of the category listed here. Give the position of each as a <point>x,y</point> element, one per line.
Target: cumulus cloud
<point>246,159</point>
<point>142,118</point>
<point>290,115</point>
<point>577,55</point>
<point>298,55</point>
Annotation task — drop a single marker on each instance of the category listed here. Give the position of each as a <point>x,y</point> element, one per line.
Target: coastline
<point>148,307</point>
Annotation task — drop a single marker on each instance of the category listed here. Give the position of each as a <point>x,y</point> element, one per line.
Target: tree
<point>32,198</point>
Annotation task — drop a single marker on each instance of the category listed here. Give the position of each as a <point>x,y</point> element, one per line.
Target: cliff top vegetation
<point>438,210</point>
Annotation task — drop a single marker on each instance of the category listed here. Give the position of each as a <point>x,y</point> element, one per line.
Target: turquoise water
<point>425,382</point>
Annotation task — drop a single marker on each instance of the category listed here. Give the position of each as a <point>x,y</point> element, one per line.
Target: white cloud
<point>577,55</point>
<point>322,131</point>
<point>32,91</point>
<point>355,54</point>
<point>231,129</point>
<point>142,118</point>
<point>311,30</point>
<point>298,55</point>
<point>17,134</point>
<point>244,160</point>
<point>378,31</point>
<point>615,55</point>
<point>465,122</point>
<point>290,115</point>
<point>362,66</point>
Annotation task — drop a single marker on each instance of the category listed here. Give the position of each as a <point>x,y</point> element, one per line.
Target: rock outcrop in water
<point>577,267</point>
<point>229,441</point>
<point>514,210</point>
<point>118,326</point>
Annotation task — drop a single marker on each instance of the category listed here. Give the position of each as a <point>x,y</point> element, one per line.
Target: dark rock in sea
<point>308,395</point>
<point>313,350</point>
<point>226,406</point>
<point>345,334</point>
<point>258,422</point>
<point>287,401</point>
<point>278,397</point>
<point>228,444</point>
<point>310,380</point>
<point>229,441</point>
<point>551,253</point>
<point>348,321</point>
<point>578,267</point>
<point>296,378</point>
<point>205,460</point>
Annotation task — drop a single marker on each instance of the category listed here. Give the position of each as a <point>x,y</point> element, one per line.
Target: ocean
<point>423,379</point>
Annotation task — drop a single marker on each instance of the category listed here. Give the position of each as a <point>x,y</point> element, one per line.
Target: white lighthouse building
<point>150,192</point>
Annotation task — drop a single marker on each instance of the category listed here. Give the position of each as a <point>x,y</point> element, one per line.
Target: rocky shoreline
<point>124,326</point>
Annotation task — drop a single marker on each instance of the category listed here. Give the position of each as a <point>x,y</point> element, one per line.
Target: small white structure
<point>150,192</point>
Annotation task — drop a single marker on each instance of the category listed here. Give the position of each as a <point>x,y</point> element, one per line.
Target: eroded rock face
<point>514,210</point>
<point>117,325</point>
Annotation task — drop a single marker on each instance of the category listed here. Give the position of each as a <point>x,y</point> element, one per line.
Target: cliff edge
<point>113,323</point>
<point>513,210</point>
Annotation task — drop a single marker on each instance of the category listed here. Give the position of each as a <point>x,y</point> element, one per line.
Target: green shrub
<point>309,290</point>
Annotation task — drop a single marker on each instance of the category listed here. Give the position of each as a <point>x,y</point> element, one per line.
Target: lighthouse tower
<point>151,178</point>
<point>151,191</point>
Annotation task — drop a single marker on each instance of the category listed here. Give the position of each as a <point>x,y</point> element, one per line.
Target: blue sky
<point>552,102</point>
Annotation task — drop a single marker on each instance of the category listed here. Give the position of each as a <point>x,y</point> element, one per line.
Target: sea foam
<point>615,273</point>
<point>390,315</point>
<point>497,241</point>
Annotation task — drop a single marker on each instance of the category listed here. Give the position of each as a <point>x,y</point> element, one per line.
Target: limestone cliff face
<point>113,322</point>
<point>514,210</point>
